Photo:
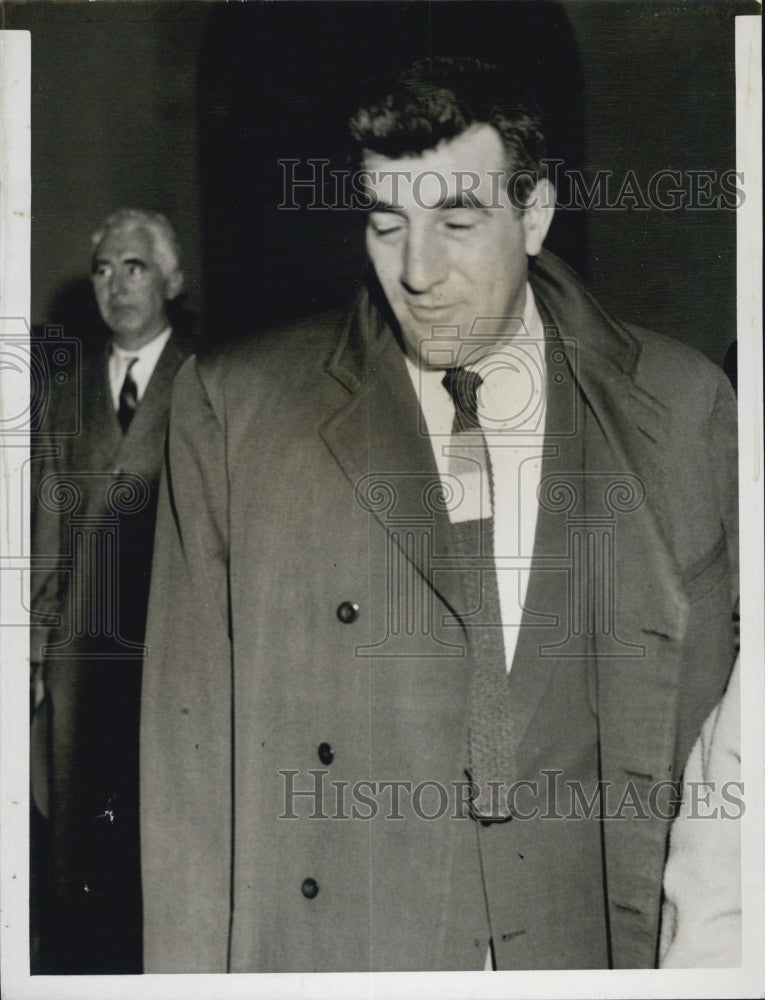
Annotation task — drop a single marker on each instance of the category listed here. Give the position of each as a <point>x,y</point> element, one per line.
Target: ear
<point>173,284</point>
<point>538,215</point>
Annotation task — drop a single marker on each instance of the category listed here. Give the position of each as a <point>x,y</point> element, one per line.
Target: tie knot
<point>462,385</point>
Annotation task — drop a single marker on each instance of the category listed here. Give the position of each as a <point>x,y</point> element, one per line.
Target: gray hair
<point>167,251</point>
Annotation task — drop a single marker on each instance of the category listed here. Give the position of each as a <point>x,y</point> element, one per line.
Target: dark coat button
<point>326,753</point>
<point>310,888</point>
<point>348,612</point>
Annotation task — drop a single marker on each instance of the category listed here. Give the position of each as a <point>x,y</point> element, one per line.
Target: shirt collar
<point>149,352</point>
<point>532,330</point>
<point>513,395</point>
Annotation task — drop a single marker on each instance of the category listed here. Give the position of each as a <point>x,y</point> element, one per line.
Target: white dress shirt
<point>145,358</point>
<point>511,411</point>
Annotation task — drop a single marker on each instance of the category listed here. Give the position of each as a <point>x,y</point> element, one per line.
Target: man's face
<point>130,288</point>
<point>448,245</point>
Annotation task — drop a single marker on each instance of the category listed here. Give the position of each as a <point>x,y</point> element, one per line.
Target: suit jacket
<point>291,522</point>
<point>94,493</point>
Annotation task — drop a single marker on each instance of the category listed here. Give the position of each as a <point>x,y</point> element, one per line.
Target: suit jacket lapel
<point>141,444</point>
<point>101,433</point>
<point>102,447</point>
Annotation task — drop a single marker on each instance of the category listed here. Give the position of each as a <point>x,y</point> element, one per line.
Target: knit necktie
<point>474,539</point>
<point>128,399</point>
<point>468,454</point>
<point>462,385</point>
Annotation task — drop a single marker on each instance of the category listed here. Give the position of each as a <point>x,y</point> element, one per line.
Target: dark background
<point>186,108</point>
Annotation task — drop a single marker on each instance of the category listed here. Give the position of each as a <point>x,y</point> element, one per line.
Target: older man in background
<point>94,502</point>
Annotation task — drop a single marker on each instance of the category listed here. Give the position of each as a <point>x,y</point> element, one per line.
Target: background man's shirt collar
<point>146,361</point>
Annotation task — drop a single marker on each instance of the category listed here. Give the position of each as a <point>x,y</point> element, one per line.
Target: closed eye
<point>461,216</point>
<point>386,223</point>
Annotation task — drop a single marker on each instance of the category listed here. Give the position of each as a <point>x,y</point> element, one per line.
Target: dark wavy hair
<point>439,98</point>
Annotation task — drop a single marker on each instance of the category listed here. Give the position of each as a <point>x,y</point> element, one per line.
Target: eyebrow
<point>384,206</point>
<point>464,201</point>
<point>102,261</point>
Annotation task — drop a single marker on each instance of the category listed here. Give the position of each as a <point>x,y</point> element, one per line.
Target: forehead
<point>125,244</point>
<point>471,161</point>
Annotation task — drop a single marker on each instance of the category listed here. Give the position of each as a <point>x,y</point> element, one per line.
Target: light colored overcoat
<point>269,523</point>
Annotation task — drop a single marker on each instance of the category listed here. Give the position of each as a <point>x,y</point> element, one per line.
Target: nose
<point>116,283</point>
<point>424,262</point>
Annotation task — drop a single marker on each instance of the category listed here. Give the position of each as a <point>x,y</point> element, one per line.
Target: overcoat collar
<point>623,440</point>
<point>379,429</point>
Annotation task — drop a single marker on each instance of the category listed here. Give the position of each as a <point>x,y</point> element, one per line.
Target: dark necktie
<point>128,399</point>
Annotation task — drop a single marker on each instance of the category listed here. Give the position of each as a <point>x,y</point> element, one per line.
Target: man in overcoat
<point>96,469</point>
<point>442,593</point>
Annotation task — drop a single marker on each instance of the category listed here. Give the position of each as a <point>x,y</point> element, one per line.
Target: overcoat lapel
<point>379,440</point>
<point>623,456</point>
<point>638,661</point>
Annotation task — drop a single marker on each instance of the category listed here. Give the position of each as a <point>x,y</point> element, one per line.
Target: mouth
<point>429,313</point>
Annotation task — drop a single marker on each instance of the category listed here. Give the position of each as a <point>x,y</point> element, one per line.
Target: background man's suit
<point>94,496</point>
<point>256,666</point>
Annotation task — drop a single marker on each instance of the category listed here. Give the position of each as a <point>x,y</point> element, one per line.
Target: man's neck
<point>492,333</point>
<point>130,344</point>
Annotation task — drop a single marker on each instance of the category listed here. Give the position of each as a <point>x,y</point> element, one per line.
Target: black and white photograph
<point>381,550</point>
